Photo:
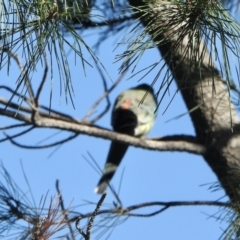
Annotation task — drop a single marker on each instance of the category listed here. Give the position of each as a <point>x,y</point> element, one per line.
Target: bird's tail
<point>115,155</point>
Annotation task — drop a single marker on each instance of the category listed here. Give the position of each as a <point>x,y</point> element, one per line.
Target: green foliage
<point>206,26</point>
<point>36,28</point>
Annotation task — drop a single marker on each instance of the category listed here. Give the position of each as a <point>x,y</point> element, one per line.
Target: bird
<point>134,114</point>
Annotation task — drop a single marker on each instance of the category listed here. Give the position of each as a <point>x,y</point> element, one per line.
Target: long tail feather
<point>115,155</point>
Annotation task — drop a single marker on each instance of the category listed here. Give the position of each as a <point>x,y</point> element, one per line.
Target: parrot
<point>134,114</point>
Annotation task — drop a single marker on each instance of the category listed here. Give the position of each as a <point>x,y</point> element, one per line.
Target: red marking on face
<point>126,104</point>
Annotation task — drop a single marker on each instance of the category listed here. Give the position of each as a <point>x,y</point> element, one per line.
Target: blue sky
<point>148,175</point>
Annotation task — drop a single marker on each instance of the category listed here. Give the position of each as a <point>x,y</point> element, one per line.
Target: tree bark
<point>205,94</point>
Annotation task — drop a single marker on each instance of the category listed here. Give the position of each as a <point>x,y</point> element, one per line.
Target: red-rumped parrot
<point>134,114</point>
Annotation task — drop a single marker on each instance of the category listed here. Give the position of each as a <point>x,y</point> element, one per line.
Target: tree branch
<point>179,143</point>
<point>163,206</point>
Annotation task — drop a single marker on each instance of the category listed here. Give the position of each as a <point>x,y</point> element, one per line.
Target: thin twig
<point>148,214</point>
<point>64,212</point>
<point>92,217</point>
<point>111,23</point>
<point>44,75</point>
<point>43,146</point>
<point>97,168</point>
<point>105,95</point>
<point>58,114</point>
<point>16,135</point>
<point>78,228</point>
<point>27,100</point>
<point>14,126</point>
<point>97,209</point>
<point>23,74</point>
